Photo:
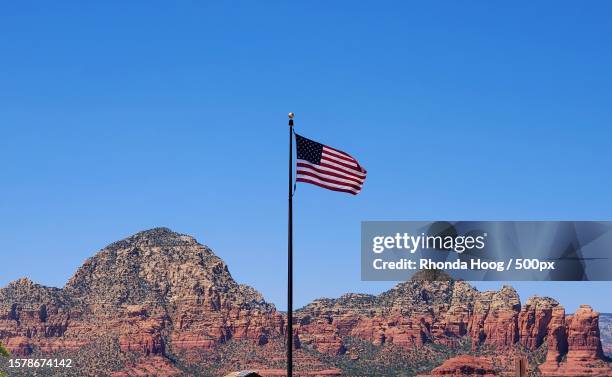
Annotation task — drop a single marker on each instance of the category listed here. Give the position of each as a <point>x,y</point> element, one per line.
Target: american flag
<point>327,167</point>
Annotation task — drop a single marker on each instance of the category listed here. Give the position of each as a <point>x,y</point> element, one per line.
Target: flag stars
<point>308,150</point>
<point>327,167</point>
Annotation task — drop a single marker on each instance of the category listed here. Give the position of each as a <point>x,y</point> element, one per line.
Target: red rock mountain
<point>149,289</point>
<point>168,300</point>
<point>440,312</point>
<point>465,366</point>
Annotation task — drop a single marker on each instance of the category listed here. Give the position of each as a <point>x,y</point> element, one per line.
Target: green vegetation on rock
<point>3,351</point>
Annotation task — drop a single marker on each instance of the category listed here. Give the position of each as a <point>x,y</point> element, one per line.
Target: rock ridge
<point>153,290</point>
<point>162,293</point>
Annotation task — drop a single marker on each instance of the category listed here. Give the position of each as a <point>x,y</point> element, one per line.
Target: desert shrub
<point>3,351</point>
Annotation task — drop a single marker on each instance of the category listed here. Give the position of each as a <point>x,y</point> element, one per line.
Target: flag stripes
<point>328,167</point>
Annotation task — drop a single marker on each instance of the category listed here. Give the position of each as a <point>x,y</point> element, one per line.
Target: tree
<point>3,351</point>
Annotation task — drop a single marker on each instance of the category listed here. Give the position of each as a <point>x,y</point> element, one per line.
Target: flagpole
<point>290,257</point>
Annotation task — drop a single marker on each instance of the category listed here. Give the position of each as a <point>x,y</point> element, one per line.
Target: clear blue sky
<point>121,116</point>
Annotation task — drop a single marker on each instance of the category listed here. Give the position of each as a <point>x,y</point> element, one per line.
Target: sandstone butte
<point>159,290</point>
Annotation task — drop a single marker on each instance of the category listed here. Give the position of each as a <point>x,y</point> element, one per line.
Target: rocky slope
<point>417,312</point>
<point>605,325</point>
<point>150,290</point>
<point>465,366</point>
<point>158,302</point>
<point>440,312</point>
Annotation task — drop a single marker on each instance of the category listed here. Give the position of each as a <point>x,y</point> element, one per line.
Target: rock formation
<point>577,338</point>
<point>153,286</point>
<point>414,313</point>
<point>605,330</point>
<point>442,312</point>
<point>534,320</point>
<point>159,294</point>
<point>465,366</point>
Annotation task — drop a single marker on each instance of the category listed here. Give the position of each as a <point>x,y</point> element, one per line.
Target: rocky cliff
<point>171,303</point>
<point>442,312</point>
<point>605,325</point>
<point>153,288</point>
<point>417,312</point>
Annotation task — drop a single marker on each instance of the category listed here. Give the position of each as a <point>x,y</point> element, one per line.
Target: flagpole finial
<point>291,115</point>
